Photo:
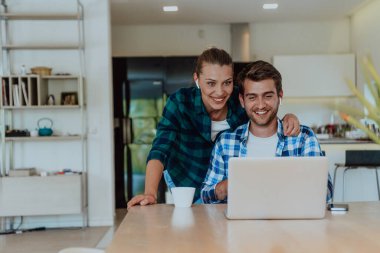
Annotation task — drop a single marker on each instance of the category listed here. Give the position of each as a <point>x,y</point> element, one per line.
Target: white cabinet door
<point>316,75</point>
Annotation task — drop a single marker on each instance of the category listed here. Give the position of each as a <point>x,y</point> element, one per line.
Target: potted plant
<point>350,114</point>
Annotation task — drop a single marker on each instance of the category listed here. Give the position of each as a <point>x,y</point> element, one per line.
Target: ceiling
<point>132,12</point>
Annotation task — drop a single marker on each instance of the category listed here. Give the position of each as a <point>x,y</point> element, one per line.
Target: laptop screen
<point>277,188</point>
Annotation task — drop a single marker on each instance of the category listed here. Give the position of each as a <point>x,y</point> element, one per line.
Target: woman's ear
<point>195,76</point>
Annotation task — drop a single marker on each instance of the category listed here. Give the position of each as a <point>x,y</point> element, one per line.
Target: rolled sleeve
<point>216,173</point>
<point>167,131</point>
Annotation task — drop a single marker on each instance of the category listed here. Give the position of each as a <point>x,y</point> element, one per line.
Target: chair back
<point>362,158</point>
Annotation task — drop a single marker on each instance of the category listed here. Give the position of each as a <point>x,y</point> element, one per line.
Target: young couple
<point>194,118</point>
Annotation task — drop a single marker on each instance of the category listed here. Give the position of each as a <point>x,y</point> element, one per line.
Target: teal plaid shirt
<point>183,141</point>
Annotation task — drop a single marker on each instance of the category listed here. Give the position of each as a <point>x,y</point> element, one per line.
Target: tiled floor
<point>51,241</point>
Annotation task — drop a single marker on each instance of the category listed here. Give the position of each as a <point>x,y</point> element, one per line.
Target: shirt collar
<point>198,103</point>
<point>245,133</point>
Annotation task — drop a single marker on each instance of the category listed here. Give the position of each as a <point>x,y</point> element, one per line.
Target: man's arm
<point>214,188</point>
<point>291,125</point>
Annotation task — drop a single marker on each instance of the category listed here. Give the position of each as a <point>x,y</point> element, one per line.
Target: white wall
<point>168,40</point>
<point>100,112</point>
<point>289,38</point>
<point>98,91</point>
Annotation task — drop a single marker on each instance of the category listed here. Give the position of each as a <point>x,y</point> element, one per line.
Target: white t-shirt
<point>261,147</point>
<point>218,126</point>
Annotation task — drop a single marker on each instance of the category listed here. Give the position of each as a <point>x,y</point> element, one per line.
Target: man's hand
<point>143,200</point>
<point>221,190</point>
<point>291,125</point>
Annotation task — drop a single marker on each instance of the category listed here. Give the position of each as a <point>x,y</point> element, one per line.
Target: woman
<point>191,121</point>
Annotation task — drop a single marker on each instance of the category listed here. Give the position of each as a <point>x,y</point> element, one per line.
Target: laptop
<point>277,188</point>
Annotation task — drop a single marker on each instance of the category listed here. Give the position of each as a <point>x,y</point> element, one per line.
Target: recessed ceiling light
<point>170,8</point>
<point>270,6</point>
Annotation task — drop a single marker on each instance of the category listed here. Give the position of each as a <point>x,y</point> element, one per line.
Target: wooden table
<point>203,228</point>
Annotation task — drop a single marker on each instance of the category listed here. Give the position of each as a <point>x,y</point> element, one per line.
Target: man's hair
<point>259,71</point>
<point>214,56</point>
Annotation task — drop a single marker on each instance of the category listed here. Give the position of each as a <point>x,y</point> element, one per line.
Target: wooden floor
<point>53,240</point>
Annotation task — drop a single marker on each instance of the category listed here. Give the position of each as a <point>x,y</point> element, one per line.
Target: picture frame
<point>69,98</point>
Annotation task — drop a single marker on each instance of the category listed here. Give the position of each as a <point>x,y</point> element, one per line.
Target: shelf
<point>43,47</point>
<point>45,138</point>
<point>23,98</point>
<point>41,107</point>
<point>60,77</point>
<point>40,16</point>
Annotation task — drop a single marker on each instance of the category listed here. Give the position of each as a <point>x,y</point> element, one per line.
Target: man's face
<point>261,102</point>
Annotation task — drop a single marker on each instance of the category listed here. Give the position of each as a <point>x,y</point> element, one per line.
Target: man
<point>260,94</point>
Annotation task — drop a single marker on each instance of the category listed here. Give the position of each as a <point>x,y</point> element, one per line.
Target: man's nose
<point>260,102</point>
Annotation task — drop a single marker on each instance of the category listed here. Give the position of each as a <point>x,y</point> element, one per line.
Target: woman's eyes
<point>226,83</point>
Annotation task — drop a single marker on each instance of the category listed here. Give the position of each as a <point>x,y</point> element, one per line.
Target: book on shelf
<point>4,92</point>
<point>16,95</point>
<point>24,92</point>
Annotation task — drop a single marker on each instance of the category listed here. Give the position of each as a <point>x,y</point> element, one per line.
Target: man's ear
<point>280,95</point>
<point>241,99</point>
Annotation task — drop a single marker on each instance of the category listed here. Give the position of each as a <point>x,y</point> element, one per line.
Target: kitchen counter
<point>344,141</point>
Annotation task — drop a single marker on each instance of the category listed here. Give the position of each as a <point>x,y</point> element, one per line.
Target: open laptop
<point>277,188</point>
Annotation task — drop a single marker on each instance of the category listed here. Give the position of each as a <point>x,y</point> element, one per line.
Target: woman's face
<point>216,84</point>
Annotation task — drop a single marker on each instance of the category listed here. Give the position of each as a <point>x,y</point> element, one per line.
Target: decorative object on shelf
<point>17,133</point>
<point>349,114</point>
<point>69,98</point>
<point>34,133</point>
<point>22,70</point>
<point>42,71</point>
<point>51,100</point>
<point>45,130</point>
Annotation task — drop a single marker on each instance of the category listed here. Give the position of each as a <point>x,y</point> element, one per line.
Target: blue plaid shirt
<point>234,144</point>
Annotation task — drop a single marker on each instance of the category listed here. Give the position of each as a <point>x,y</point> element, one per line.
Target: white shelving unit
<point>24,98</point>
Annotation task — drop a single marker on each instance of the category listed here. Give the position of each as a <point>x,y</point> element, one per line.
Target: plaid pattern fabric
<point>183,141</point>
<point>234,144</point>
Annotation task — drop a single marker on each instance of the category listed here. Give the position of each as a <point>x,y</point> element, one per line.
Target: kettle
<point>45,131</point>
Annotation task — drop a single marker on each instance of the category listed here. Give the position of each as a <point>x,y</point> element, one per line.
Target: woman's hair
<point>214,56</point>
<point>259,71</point>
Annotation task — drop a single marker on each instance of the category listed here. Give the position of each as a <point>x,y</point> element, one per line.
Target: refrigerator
<point>141,86</point>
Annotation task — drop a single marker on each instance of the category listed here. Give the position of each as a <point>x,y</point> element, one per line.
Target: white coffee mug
<point>183,196</point>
